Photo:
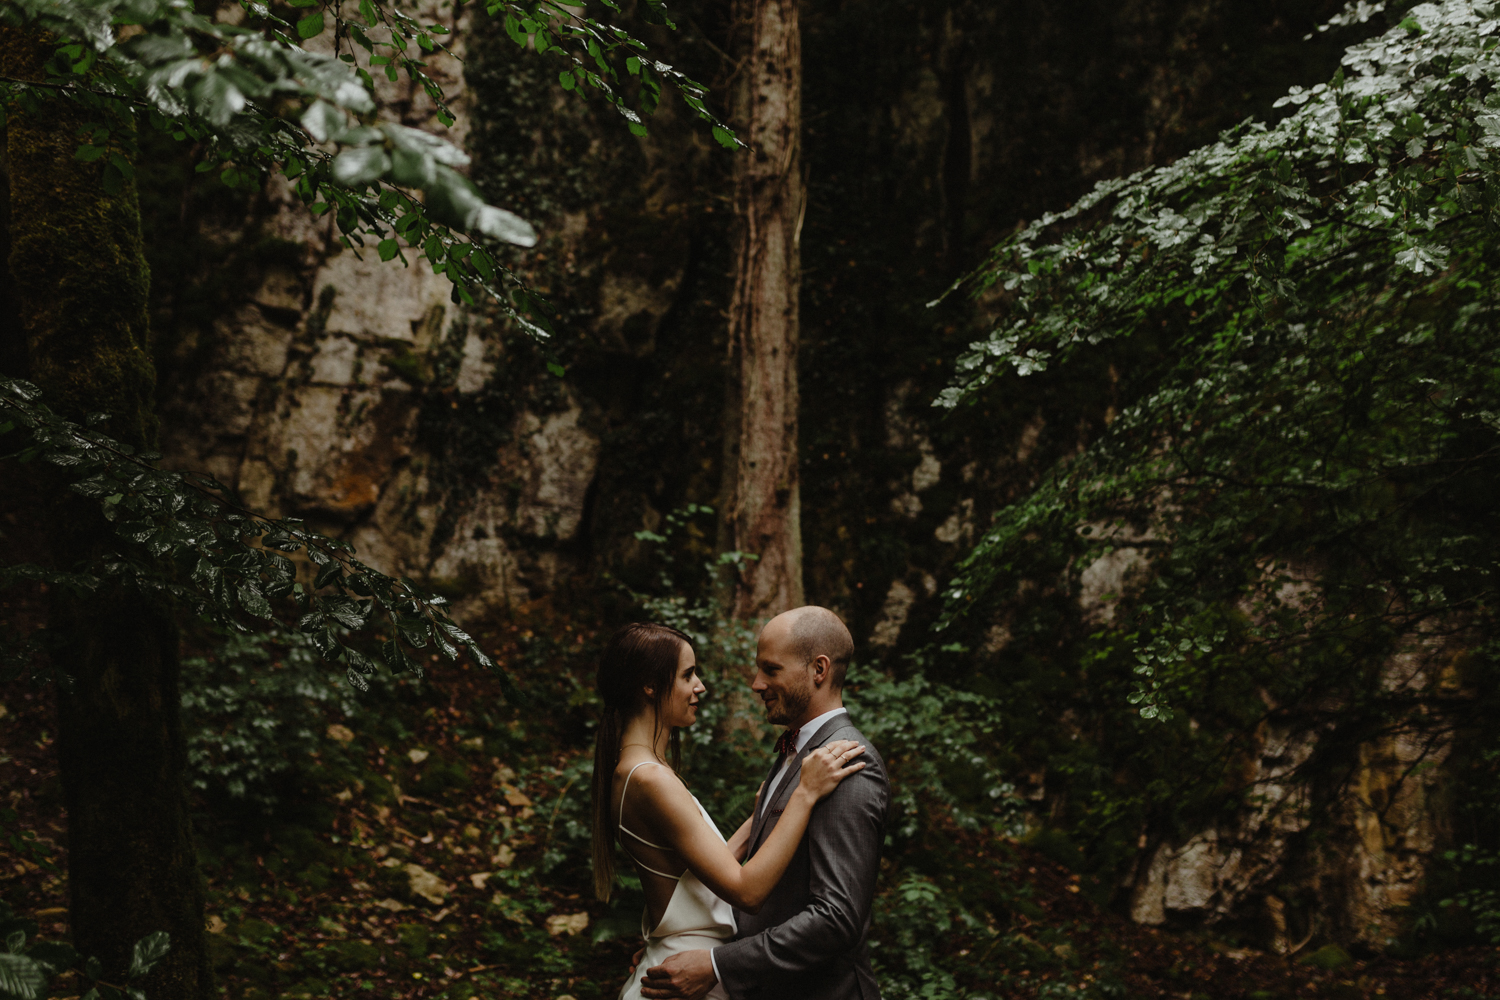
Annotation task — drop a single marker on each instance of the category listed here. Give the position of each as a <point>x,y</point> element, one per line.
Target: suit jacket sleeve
<point>843,837</point>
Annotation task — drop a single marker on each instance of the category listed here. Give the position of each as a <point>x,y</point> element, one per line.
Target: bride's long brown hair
<point>641,655</point>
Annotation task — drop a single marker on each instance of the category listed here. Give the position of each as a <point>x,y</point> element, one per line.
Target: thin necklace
<point>643,747</point>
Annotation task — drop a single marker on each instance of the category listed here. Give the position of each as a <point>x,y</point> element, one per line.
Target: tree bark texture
<point>761,506</point>
<point>79,284</point>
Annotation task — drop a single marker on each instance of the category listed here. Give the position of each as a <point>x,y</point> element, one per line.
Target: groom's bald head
<point>814,632</point>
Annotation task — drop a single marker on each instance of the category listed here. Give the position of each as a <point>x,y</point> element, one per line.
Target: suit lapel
<point>760,808</point>
<point>771,810</point>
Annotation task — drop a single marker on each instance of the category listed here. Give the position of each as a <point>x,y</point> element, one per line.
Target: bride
<point>648,680</point>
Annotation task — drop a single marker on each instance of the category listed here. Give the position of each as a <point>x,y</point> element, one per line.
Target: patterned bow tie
<point>787,742</point>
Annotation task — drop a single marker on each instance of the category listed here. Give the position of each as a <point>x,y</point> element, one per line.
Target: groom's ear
<point>822,668</point>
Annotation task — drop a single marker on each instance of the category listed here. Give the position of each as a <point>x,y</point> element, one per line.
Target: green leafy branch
<point>258,102</point>
<point>592,48</point>
<point>1378,164</point>
<point>183,537</point>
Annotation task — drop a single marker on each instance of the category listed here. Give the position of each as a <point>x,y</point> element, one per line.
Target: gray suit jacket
<point>808,940</point>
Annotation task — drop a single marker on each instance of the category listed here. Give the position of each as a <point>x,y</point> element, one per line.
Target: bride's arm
<point>712,861</point>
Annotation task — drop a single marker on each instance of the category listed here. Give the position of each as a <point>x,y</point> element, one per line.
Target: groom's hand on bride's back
<point>688,975</point>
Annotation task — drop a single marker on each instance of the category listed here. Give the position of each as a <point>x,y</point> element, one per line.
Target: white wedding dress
<point>694,917</point>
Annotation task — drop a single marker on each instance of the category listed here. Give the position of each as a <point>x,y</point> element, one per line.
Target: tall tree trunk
<point>79,283</point>
<point>761,501</point>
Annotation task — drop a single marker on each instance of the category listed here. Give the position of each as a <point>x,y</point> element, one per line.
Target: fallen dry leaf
<point>427,885</point>
<point>341,733</point>
<point>569,923</point>
<point>417,756</point>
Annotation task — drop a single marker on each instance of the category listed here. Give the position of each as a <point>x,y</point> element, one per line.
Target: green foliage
<point>257,711</point>
<point>26,968</point>
<point>182,536</point>
<point>1470,876</point>
<point>1482,902</point>
<point>589,45</point>
<point>1310,433</point>
<point>943,741</point>
<point>918,915</point>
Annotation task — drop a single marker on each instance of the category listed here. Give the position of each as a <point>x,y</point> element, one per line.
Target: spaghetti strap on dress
<point>694,917</point>
<point>625,829</point>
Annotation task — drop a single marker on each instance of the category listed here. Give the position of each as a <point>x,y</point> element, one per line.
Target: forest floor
<point>427,860</point>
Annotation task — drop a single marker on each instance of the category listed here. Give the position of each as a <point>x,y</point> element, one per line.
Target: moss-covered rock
<point>1329,958</point>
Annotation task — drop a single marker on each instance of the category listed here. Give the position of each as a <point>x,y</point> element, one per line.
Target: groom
<point>808,940</point>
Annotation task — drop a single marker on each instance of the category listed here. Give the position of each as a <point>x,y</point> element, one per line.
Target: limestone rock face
<point>560,455</point>
<point>1208,878</point>
<point>1377,831</point>
<point>1400,818</point>
<point>308,398</point>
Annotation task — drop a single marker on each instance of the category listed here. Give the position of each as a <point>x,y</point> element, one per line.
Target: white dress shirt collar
<point>810,729</point>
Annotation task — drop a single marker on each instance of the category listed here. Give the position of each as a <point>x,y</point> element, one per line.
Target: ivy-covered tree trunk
<point>79,286</point>
<point>761,497</point>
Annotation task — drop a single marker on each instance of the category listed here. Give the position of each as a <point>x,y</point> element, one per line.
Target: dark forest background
<point>429,837</point>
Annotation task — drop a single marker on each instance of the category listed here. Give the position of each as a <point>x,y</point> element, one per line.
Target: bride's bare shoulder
<point>655,780</point>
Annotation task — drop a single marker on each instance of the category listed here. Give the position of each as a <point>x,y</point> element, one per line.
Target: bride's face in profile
<point>681,708</point>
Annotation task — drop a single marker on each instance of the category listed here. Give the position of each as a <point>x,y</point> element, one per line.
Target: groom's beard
<point>789,705</point>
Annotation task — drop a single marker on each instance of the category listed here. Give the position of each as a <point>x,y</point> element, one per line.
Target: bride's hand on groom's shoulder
<point>825,767</point>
